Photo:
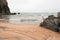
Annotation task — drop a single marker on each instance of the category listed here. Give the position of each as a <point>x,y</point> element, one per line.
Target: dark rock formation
<point>51,22</point>
<point>4,9</point>
<point>58,14</point>
<point>58,20</point>
<point>13,13</point>
<point>58,17</point>
<point>18,13</point>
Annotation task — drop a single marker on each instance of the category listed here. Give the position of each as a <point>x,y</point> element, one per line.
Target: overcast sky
<point>34,5</point>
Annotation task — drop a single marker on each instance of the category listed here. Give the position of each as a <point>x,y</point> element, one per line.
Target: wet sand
<point>10,31</point>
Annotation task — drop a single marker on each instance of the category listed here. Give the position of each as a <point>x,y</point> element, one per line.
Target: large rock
<point>51,23</point>
<point>58,15</point>
<point>4,9</point>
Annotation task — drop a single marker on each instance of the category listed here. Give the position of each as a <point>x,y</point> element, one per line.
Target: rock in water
<point>4,9</point>
<point>51,23</point>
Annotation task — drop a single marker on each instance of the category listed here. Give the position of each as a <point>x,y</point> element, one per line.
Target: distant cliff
<point>4,9</point>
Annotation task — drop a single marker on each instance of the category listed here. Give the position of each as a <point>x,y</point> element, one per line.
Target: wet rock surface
<point>52,23</point>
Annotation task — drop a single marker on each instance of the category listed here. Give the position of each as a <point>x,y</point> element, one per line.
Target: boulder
<point>51,22</point>
<point>58,14</point>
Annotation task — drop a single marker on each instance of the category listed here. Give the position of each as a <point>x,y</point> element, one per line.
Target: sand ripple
<point>26,32</point>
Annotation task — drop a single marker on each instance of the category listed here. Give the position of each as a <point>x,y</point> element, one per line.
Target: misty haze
<point>34,5</point>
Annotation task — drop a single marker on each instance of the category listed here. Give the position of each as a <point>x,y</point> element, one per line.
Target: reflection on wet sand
<point>4,18</point>
<point>18,19</point>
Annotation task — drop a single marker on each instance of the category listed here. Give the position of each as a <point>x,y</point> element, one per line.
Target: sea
<point>26,18</point>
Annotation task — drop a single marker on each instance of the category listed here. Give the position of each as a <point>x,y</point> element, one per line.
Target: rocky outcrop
<point>4,9</point>
<point>58,20</point>
<point>13,13</point>
<point>58,16</point>
<point>51,22</point>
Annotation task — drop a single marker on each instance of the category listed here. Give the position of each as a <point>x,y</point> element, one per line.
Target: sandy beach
<point>20,19</point>
<point>10,31</point>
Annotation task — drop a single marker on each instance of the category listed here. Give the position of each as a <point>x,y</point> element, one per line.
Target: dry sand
<point>10,31</point>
